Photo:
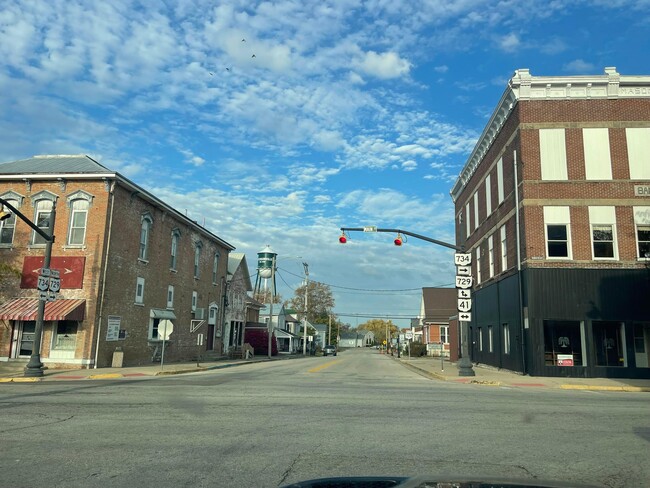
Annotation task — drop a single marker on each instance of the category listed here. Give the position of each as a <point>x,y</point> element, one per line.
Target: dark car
<point>327,350</point>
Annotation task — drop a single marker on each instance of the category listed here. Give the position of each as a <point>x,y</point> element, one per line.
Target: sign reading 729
<point>464,281</point>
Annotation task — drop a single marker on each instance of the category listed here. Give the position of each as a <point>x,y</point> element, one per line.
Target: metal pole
<point>162,354</point>
<point>329,338</point>
<point>304,329</point>
<point>465,364</point>
<point>35,367</point>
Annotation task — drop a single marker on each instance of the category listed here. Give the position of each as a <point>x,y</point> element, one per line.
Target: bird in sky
<point>243,40</point>
<point>253,56</point>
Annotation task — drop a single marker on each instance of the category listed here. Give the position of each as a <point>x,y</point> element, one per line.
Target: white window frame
<point>478,264</point>
<point>9,223</point>
<point>558,216</point>
<point>506,338</point>
<point>468,219</point>
<point>444,334</point>
<point>490,339</point>
<point>176,237</point>
<point>638,152</point>
<point>491,254</point>
<point>197,259</point>
<point>170,297</point>
<point>603,216</point>
<point>195,299</point>
<point>480,338</point>
<point>504,248</point>
<point>641,219</point>
<point>145,231</point>
<point>139,291</point>
<point>215,268</point>
<point>598,161</point>
<point>476,214</point>
<point>552,154</point>
<point>37,239</point>
<point>488,196</point>
<point>73,212</point>
<point>500,192</point>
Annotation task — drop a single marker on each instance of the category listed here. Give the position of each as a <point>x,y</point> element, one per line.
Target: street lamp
<point>465,364</point>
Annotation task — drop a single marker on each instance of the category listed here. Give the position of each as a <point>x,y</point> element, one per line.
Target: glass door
<point>26,340</point>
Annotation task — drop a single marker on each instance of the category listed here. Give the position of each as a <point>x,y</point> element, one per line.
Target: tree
<point>264,296</point>
<point>9,280</point>
<point>320,301</point>
<point>379,326</point>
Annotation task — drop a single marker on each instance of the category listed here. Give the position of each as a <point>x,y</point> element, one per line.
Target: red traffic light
<point>398,240</point>
<point>343,239</point>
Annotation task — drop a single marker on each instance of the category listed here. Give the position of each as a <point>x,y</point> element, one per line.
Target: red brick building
<point>436,307</point>
<point>554,206</point>
<point>130,265</point>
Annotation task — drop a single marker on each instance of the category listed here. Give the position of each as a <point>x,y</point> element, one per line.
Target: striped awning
<point>26,309</point>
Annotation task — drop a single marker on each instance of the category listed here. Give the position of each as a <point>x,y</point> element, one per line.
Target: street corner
<point>180,371</point>
<point>485,382</point>
<point>105,376</point>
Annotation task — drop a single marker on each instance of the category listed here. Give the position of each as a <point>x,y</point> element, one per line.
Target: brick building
<point>130,265</point>
<point>436,307</point>
<point>554,206</point>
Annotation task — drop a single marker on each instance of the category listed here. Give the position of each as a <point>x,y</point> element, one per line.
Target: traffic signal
<point>343,238</point>
<point>4,214</point>
<point>398,240</point>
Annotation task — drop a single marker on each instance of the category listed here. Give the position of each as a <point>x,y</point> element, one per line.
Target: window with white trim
<point>500,192</point>
<point>476,218</point>
<point>638,152</point>
<point>444,334</point>
<point>478,264</point>
<point>480,338</point>
<point>43,211</point>
<point>8,226</point>
<point>195,299</point>
<point>78,219</point>
<point>598,161</point>
<point>602,221</point>
<point>170,296</point>
<point>139,290</point>
<point>145,229</point>
<point>491,255</point>
<point>642,227</point>
<point>197,258</point>
<point>215,268</point>
<point>176,236</point>
<point>557,223</point>
<point>467,219</point>
<point>504,249</point>
<point>488,196</point>
<point>490,339</point>
<point>506,338</point>
<point>552,152</point>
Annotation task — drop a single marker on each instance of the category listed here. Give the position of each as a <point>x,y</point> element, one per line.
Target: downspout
<point>519,276</point>
<point>101,300</point>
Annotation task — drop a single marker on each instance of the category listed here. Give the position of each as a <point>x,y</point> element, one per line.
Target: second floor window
<point>197,259</point>
<point>8,226</point>
<point>42,219</point>
<point>215,267</point>
<point>78,219</point>
<point>174,253</point>
<point>144,237</point>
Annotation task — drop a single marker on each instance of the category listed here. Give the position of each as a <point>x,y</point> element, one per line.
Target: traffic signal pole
<point>464,364</point>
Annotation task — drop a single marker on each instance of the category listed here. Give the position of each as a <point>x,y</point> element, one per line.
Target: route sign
<point>464,293</point>
<point>43,283</point>
<point>409,335</point>
<point>465,316</point>
<point>370,228</point>
<point>464,282</point>
<point>462,259</point>
<point>464,304</point>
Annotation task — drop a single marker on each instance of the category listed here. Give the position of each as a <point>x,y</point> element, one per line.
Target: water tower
<point>266,258</point>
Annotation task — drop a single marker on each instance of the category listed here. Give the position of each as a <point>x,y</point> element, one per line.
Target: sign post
<point>464,282</point>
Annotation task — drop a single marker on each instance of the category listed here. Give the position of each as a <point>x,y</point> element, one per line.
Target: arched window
<point>197,258</point>
<point>147,221</point>
<point>8,226</point>
<point>176,235</point>
<point>42,214</point>
<point>78,219</point>
<point>215,267</point>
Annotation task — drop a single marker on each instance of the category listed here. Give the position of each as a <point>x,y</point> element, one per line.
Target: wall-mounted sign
<point>113,328</point>
<point>71,269</point>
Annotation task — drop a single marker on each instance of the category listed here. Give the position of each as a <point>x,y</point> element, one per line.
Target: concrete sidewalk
<point>488,376</point>
<point>14,373</point>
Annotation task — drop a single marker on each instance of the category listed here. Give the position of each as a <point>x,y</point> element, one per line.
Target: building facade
<point>436,307</point>
<point>131,267</point>
<point>554,207</point>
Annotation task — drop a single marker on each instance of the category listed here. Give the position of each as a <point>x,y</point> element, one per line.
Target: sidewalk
<point>488,376</point>
<point>14,373</point>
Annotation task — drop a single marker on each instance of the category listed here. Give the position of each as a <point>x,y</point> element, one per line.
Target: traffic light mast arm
<point>37,229</point>
<point>405,232</point>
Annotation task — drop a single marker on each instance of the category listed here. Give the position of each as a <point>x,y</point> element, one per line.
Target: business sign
<point>113,328</point>
<point>565,359</point>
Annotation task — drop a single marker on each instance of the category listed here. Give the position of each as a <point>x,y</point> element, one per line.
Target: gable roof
<point>237,260</point>
<point>439,304</point>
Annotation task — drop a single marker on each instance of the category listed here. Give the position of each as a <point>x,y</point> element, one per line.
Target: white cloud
<point>409,165</point>
<point>509,43</point>
<point>441,69</point>
<point>385,65</point>
<point>579,66</point>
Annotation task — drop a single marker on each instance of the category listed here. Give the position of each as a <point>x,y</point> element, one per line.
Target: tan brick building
<point>554,206</point>
<point>130,266</point>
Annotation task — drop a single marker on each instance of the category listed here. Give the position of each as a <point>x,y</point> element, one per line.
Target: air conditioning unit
<point>199,314</point>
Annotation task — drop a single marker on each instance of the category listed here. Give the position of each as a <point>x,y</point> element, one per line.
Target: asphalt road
<point>270,424</point>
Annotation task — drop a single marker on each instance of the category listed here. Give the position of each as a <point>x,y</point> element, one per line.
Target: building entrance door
<point>209,343</point>
<point>25,343</point>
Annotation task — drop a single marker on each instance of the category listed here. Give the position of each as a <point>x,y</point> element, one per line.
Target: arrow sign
<point>464,304</point>
<point>464,293</point>
<point>464,271</point>
<point>465,316</point>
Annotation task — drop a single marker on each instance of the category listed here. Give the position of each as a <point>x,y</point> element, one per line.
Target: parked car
<point>327,350</point>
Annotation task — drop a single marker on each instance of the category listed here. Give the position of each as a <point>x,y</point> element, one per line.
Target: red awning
<point>26,309</point>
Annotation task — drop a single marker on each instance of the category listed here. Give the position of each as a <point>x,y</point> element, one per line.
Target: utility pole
<point>270,327</point>
<point>329,338</point>
<point>304,329</point>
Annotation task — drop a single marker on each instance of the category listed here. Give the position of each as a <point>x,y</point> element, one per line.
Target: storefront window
<point>563,343</point>
<point>609,343</point>
<point>65,338</point>
<point>642,344</point>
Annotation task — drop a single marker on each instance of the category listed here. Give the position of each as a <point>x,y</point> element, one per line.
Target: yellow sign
<point>384,342</point>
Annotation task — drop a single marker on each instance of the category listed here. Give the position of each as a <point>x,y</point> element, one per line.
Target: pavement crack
<point>286,474</point>
<point>58,421</point>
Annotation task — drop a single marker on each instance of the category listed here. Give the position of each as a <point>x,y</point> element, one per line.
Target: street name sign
<point>370,228</point>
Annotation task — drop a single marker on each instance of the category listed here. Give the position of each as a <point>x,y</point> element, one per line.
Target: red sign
<point>565,359</point>
<point>71,270</point>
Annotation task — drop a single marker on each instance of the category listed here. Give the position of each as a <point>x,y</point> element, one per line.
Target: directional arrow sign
<point>464,271</point>
<point>464,293</point>
<point>465,316</point>
<point>462,259</point>
<point>464,304</point>
<point>464,282</point>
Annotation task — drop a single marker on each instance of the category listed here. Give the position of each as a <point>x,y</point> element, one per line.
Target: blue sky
<point>279,122</point>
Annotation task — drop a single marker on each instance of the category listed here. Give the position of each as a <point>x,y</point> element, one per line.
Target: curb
<point>644,389</point>
<point>423,372</point>
<point>20,380</point>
